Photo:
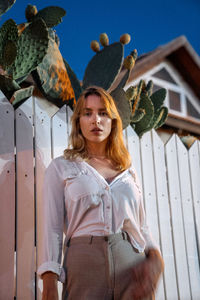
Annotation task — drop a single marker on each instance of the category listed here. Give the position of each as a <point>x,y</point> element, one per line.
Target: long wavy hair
<point>115,148</point>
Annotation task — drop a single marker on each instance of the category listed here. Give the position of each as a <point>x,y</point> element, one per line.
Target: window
<point>164,74</point>
<point>174,100</point>
<point>191,111</point>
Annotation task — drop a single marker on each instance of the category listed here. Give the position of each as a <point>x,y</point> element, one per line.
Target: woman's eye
<point>103,113</point>
<point>87,114</point>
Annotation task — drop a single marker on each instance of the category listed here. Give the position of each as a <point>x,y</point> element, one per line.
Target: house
<point>176,67</point>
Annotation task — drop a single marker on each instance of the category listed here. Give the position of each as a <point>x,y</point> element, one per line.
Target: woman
<point>93,195</point>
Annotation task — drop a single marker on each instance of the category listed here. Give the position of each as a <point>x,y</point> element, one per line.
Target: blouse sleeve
<point>53,222</point>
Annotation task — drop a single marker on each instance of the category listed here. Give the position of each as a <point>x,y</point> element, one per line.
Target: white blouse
<point>79,201</point>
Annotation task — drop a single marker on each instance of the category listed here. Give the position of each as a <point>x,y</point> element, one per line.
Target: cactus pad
<point>160,117</point>
<point>8,39</point>
<point>21,95</point>
<point>104,66</point>
<point>74,80</point>
<point>143,125</point>
<point>5,5</point>
<point>52,78</point>
<point>158,98</point>
<point>32,47</point>
<point>52,15</point>
<point>123,105</point>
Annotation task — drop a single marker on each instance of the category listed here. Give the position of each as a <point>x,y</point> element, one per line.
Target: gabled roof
<point>180,53</point>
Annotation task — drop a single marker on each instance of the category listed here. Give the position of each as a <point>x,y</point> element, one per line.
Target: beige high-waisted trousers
<point>99,268</point>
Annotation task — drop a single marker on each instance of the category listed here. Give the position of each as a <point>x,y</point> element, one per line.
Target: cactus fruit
<point>125,39</point>
<point>104,39</point>
<point>30,12</point>
<point>5,5</point>
<point>94,45</point>
<point>129,62</point>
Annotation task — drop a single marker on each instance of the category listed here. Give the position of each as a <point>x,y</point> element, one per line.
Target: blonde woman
<point>92,194</point>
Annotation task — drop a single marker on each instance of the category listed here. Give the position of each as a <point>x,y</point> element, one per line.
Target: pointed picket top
<point>164,216</point>
<point>194,159</point>
<point>188,217</point>
<point>69,115</point>
<point>133,145</point>
<point>59,132</point>
<point>177,218</point>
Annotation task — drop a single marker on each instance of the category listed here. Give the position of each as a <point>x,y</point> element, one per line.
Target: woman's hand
<point>50,288</point>
<point>146,275</point>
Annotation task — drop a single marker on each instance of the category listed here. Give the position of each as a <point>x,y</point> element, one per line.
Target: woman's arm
<point>146,274</point>
<point>50,289</point>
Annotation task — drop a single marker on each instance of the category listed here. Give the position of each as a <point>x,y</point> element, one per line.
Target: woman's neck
<point>98,150</point>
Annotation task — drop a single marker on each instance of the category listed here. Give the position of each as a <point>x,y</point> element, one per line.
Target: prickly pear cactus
<point>148,111</point>
<point>104,67</point>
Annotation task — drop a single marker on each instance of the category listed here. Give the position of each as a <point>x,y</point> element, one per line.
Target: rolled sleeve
<point>53,222</point>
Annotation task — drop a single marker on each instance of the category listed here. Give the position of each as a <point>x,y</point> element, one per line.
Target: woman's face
<point>95,123</point>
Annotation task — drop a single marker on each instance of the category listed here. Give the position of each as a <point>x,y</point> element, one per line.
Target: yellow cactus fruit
<point>104,39</point>
<point>125,38</point>
<point>30,12</point>
<point>95,46</point>
<point>129,62</point>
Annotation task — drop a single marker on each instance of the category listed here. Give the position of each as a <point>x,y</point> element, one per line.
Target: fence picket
<point>177,220</point>
<point>7,211</point>
<point>59,132</point>
<point>164,217</point>
<point>150,194</point>
<point>25,207</point>
<point>194,159</point>
<point>188,217</point>
<point>43,156</point>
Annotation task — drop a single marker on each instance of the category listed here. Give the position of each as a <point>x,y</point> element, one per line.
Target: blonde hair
<point>115,148</point>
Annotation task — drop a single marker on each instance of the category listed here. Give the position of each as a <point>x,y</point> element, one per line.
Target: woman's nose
<point>96,119</point>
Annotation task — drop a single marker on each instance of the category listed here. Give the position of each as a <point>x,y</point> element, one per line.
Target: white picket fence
<point>35,133</point>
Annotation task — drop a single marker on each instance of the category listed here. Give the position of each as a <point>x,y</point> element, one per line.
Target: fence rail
<point>38,131</point>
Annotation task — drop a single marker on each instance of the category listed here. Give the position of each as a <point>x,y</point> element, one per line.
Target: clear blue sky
<point>150,24</point>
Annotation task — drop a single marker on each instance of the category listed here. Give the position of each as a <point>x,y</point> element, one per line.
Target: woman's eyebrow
<point>89,109</point>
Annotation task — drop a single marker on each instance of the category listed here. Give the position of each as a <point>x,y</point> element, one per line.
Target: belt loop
<point>91,238</point>
<point>68,242</point>
<point>124,235</point>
